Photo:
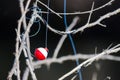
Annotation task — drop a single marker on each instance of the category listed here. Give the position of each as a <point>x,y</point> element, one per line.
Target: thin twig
<point>90,60</point>
<point>97,22</point>
<point>74,57</point>
<point>60,43</point>
<point>54,30</point>
<point>49,8</point>
<point>84,12</point>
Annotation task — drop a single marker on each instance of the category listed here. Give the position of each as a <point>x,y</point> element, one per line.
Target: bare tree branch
<point>90,60</point>
<point>97,22</point>
<point>23,41</point>
<point>60,43</point>
<point>85,12</point>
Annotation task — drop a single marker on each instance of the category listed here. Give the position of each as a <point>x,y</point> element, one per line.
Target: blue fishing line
<point>71,40</point>
<point>36,20</point>
<point>39,26</point>
<point>38,12</point>
<point>46,32</point>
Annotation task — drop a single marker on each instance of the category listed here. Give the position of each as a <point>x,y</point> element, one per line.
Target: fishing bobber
<point>41,53</point>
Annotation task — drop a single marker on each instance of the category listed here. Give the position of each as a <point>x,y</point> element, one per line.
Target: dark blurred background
<point>85,42</point>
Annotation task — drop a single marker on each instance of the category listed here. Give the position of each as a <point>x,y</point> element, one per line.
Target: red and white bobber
<point>41,53</point>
